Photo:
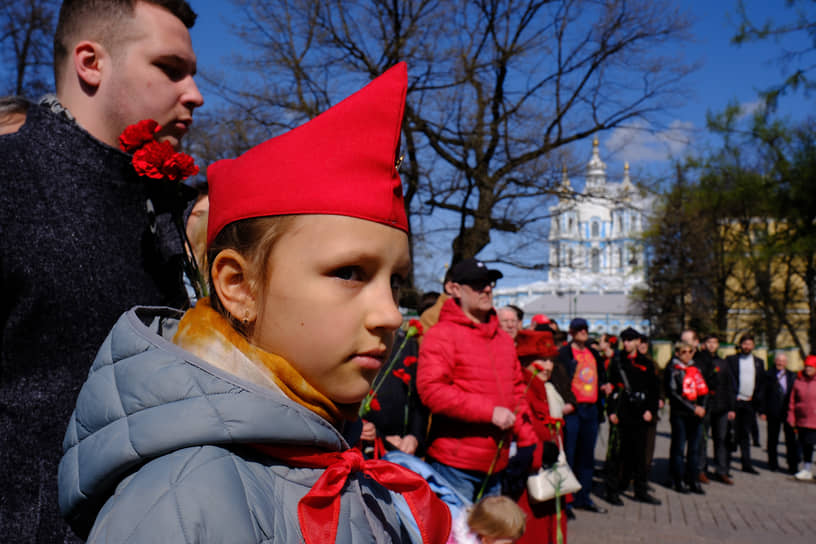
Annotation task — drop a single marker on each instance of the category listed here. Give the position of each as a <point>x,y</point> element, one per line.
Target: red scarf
<point>319,509</point>
<point>693,383</point>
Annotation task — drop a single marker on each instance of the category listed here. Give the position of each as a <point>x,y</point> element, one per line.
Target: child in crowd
<point>802,415</point>
<point>225,424</point>
<point>492,520</point>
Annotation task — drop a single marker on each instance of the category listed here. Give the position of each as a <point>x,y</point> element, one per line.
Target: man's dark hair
<point>709,336</point>
<point>746,336</point>
<point>97,20</point>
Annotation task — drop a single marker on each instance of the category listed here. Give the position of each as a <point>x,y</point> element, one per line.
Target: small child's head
<point>308,244</point>
<point>497,520</point>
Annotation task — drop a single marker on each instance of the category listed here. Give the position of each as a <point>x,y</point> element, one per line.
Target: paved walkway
<point>770,507</point>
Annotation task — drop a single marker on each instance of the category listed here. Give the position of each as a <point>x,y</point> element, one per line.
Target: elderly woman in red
<point>537,352</point>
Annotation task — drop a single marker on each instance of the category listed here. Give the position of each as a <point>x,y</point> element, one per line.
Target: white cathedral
<point>596,255</point>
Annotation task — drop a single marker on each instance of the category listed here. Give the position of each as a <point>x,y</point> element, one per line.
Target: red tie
<point>319,509</point>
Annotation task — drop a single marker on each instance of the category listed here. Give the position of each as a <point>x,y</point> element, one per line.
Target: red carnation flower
<point>149,160</point>
<point>409,360</point>
<point>374,404</point>
<point>402,375</point>
<point>135,136</point>
<point>179,166</point>
<point>416,325</point>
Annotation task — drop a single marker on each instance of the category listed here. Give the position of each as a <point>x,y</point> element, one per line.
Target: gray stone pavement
<point>770,507</point>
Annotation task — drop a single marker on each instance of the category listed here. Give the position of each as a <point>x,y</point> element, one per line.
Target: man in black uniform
<point>631,408</point>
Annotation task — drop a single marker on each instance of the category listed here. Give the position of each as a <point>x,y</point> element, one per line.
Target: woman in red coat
<point>537,352</point>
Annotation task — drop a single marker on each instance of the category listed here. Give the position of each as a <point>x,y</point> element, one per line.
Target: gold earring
<point>246,318</point>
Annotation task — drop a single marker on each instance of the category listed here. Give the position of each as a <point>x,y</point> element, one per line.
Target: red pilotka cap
<point>342,162</point>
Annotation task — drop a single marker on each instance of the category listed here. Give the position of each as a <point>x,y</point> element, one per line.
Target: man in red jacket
<point>470,379</point>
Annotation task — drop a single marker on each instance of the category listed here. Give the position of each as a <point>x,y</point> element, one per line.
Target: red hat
<point>342,162</point>
<point>539,319</point>
<point>810,360</point>
<point>538,344</point>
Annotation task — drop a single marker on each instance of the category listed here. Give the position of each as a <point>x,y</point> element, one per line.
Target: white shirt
<point>747,377</point>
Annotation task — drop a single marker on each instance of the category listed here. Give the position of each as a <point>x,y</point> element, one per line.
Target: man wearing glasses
<point>470,380</point>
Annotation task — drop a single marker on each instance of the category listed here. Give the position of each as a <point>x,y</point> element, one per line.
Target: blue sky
<point>726,73</point>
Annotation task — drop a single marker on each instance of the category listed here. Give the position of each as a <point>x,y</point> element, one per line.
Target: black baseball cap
<point>473,271</point>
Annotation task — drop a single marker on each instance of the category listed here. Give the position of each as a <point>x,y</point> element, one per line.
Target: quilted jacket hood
<point>145,397</point>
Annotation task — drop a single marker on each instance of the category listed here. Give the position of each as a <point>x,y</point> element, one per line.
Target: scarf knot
<point>319,509</point>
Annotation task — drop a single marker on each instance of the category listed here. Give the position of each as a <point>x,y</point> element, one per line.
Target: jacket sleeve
<point>764,394</point>
<point>791,406</point>
<point>523,427</point>
<point>437,359</point>
<point>561,378</point>
<point>614,377</point>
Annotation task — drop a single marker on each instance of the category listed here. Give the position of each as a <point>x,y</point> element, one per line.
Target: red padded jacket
<point>465,369</point>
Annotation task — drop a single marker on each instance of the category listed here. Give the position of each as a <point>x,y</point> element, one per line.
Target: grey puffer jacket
<point>157,450</point>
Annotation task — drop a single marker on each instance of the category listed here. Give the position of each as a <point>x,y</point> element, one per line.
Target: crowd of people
<point>212,379</point>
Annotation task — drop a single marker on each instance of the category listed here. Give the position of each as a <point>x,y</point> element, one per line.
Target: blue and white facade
<point>596,254</point>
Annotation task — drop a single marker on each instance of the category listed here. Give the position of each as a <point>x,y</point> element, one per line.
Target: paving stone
<point>768,508</point>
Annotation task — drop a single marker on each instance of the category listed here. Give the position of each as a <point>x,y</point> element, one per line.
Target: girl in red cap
<point>802,414</point>
<point>226,423</point>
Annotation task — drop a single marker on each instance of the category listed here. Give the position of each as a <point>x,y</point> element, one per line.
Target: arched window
<point>620,222</point>
<point>596,229</point>
<point>570,225</point>
<point>570,255</point>
<point>620,257</point>
<point>596,260</point>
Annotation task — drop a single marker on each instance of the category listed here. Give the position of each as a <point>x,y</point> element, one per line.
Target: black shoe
<point>696,488</point>
<point>592,507</point>
<point>648,499</point>
<point>614,499</point>
<point>750,470</point>
<point>680,487</point>
<point>773,468</point>
<point>570,514</point>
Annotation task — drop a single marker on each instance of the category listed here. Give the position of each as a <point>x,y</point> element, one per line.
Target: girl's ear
<point>233,284</point>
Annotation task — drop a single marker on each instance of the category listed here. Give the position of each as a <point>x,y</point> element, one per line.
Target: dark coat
<point>722,397</point>
<point>76,251</point>
<point>643,392</point>
<point>773,402</point>
<point>401,412</point>
<point>759,373</point>
<point>673,386</point>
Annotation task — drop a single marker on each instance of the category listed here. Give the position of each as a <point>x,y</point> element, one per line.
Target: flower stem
<point>501,442</point>
<point>365,406</point>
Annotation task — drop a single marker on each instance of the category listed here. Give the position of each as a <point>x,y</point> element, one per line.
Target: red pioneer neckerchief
<point>633,359</point>
<point>319,509</point>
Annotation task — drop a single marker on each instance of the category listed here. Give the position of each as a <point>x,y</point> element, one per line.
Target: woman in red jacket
<point>802,414</point>
<point>537,352</point>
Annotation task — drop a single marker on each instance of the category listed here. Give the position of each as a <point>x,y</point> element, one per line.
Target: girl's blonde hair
<point>254,240</point>
<point>497,517</point>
